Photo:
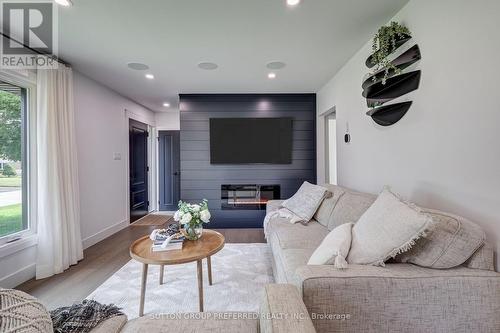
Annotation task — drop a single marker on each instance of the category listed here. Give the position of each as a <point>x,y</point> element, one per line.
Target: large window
<point>13,160</point>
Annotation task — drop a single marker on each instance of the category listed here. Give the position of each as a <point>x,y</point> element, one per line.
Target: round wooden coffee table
<point>210,243</point>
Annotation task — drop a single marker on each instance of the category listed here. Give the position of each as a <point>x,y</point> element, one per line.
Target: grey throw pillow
<point>305,202</point>
<point>450,243</point>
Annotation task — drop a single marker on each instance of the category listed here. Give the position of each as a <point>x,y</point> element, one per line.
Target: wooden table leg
<point>162,268</point>
<point>209,267</point>
<point>200,284</point>
<point>143,288</point>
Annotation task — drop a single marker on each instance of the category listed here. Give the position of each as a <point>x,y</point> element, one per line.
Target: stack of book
<point>175,242</point>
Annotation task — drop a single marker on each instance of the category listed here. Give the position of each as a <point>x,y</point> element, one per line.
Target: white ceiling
<point>314,39</point>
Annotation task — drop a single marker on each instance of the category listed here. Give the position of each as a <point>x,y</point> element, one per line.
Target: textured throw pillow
<point>305,202</point>
<point>334,247</point>
<point>20,312</point>
<point>450,243</point>
<point>389,227</point>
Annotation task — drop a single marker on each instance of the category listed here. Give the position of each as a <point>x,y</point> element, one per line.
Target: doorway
<point>331,147</point>
<point>169,173</point>
<point>138,169</point>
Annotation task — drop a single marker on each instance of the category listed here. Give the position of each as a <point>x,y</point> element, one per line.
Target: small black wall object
<point>347,138</point>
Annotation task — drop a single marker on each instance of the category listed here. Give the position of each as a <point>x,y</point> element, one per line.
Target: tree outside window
<point>11,155</point>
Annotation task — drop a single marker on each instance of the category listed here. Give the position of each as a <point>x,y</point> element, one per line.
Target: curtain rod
<point>36,51</point>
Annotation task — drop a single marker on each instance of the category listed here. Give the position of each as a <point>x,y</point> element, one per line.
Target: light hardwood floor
<point>101,261</point>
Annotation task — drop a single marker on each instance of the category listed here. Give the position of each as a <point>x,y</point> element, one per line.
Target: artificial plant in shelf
<point>383,44</point>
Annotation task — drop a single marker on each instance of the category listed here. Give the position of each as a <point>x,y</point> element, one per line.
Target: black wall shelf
<point>396,86</point>
<point>377,92</point>
<point>389,114</point>
<point>402,62</point>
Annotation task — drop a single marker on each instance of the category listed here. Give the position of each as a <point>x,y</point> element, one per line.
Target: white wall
<point>168,121</point>
<point>102,129</point>
<point>444,152</point>
<point>18,266</point>
<point>332,150</point>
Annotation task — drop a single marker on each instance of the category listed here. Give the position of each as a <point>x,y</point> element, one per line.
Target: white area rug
<point>239,272</point>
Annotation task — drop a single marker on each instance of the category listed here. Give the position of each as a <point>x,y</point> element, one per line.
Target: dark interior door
<point>170,175</point>
<point>138,154</point>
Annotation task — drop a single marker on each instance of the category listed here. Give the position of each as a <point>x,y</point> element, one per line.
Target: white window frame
<point>25,238</point>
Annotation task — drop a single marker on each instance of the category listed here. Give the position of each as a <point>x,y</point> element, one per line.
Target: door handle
<point>177,173</point>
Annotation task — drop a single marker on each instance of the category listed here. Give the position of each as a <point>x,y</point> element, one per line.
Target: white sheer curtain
<point>58,222</point>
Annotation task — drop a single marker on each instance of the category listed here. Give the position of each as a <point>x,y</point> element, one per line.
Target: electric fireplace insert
<point>247,196</point>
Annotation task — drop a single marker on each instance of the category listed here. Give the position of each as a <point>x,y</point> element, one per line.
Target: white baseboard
<point>18,277</point>
<point>164,212</point>
<point>96,238</point>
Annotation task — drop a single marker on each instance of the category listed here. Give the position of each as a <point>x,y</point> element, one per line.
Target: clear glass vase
<point>193,231</point>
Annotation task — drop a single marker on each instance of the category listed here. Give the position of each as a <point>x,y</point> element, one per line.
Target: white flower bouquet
<point>192,217</point>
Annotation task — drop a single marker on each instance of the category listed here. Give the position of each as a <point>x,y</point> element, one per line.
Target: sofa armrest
<point>111,325</point>
<point>273,205</point>
<point>283,311</point>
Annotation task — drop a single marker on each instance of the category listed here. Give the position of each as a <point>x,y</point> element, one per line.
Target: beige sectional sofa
<point>399,297</point>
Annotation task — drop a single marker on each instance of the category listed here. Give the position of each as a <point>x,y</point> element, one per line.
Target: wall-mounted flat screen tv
<point>251,140</point>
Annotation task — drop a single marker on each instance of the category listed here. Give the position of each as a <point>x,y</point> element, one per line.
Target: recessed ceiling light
<point>166,105</point>
<point>208,65</point>
<point>137,66</point>
<point>271,75</point>
<point>275,65</point>
<point>65,3</point>
<point>149,76</point>
<point>292,2</point>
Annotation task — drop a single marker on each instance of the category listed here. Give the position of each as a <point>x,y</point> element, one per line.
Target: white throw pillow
<point>389,227</point>
<point>305,202</point>
<point>334,247</point>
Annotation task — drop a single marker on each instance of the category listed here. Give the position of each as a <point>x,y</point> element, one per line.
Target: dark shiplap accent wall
<point>200,179</point>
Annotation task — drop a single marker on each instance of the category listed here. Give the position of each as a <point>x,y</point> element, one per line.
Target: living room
<point>282,166</point>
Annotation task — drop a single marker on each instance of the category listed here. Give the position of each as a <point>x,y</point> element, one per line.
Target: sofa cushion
<point>391,271</point>
<point>235,322</point>
<point>291,259</point>
<point>305,202</point>
<point>298,236</point>
<point>349,207</point>
<point>390,226</point>
<point>483,258</point>
<point>450,243</point>
<point>300,239</point>
<point>324,212</point>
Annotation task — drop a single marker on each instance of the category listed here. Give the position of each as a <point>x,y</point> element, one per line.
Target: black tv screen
<point>250,140</point>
